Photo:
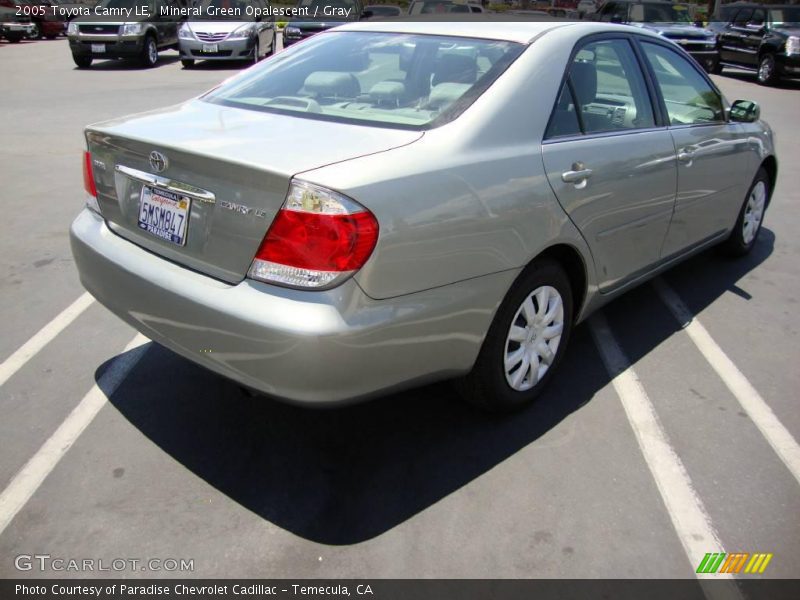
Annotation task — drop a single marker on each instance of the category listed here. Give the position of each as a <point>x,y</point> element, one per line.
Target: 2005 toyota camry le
<point>388,204</point>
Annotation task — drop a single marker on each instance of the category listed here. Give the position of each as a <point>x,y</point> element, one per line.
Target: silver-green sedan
<point>388,204</point>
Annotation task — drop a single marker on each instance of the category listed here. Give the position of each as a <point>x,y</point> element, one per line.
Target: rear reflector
<point>88,175</point>
<point>318,238</point>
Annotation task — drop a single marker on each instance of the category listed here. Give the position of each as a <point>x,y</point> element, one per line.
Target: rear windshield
<point>385,79</point>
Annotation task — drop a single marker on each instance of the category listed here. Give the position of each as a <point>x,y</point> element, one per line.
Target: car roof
<point>522,31</point>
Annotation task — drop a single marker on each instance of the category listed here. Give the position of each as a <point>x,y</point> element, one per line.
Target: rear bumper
<point>308,347</point>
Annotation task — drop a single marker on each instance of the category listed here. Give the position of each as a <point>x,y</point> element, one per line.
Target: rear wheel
<point>748,225</point>
<point>15,37</point>
<point>712,65</point>
<point>83,62</point>
<point>187,63</point>
<point>767,72</point>
<point>149,52</point>
<point>256,52</point>
<point>525,343</point>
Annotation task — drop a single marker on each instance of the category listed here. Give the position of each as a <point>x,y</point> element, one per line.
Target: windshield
<point>788,16</point>
<point>438,7</point>
<point>388,79</point>
<point>660,13</point>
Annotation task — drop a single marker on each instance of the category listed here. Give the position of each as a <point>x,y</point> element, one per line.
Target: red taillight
<point>88,176</point>
<point>317,237</point>
<point>320,242</point>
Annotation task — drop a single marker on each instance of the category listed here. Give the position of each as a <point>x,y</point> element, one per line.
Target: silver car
<point>241,30</point>
<point>388,204</point>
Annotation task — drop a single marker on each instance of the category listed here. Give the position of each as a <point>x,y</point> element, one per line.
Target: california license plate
<point>98,48</point>
<point>210,47</point>
<point>164,214</point>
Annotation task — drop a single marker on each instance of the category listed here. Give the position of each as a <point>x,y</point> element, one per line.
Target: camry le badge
<point>158,162</point>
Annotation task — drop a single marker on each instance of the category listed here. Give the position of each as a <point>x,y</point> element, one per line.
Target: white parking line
<point>757,409</point>
<point>44,336</point>
<point>31,476</point>
<point>685,509</point>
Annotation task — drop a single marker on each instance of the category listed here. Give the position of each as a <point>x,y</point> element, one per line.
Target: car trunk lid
<point>224,173</point>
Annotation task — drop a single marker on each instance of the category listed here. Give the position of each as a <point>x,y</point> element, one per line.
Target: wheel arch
<point>574,265</point>
<point>770,165</point>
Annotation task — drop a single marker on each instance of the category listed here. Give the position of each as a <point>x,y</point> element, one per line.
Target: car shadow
<point>345,475</point>
<point>128,64</point>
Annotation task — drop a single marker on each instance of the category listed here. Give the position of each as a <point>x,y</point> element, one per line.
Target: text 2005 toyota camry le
<point>388,204</point>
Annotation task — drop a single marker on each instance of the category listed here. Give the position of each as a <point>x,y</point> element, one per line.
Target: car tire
<point>187,63</point>
<point>256,50</point>
<point>36,32</point>
<point>51,36</point>
<point>83,62</point>
<point>767,69</point>
<point>149,56</point>
<point>751,216</point>
<point>533,323</point>
<point>713,66</point>
<point>14,38</point>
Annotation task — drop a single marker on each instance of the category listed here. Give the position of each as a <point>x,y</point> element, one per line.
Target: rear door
<point>609,162</point>
<point>733,39</point>
<point>711,152</point>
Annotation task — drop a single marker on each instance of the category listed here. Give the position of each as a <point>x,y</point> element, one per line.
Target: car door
<point>609,161</point>
<point>752,35</point>
<point>711,151</point>
<point>733,40</point>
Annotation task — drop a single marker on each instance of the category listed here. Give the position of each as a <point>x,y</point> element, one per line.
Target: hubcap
<point>765,69</point>
<point>533,338</point>
<point>754,212</point>
<point>152,52</point>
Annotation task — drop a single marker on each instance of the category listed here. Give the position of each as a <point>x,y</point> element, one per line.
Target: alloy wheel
<point>766,68</point>
<point>533,338</point>
<point>754,212</point>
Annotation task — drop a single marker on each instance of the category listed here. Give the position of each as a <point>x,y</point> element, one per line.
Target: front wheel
<point>83,62</point>
<point>14,38</point>
<point>35,32</point>
<point>256,52</point>
<point>149,52</point>
<point>767,71</point>
<point>187,63</point>
<point>748,224</point>
<point>525,343</point>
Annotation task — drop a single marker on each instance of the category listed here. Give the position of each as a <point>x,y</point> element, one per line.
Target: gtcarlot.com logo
<point>46,562</point>
<point>722,562</point>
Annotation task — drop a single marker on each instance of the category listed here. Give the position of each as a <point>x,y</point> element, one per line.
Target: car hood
<point>788,30</point>
<point>216,26</point>
<point>93,18</point>
<point>279,143</point>
<point>675,30</point>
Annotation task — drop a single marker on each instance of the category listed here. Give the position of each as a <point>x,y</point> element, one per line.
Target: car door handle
<point>578,174</point>
<point>685,155</point>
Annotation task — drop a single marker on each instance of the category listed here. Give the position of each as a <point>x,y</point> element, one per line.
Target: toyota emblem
<point>158,161</point>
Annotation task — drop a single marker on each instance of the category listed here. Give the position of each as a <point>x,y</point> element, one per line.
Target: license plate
<point>210,47</point>
<point>98,48</point>
<point>164,214</point>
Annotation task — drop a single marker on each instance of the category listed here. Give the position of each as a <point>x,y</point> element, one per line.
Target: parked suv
<point>763,39</point>
<point>14,27</point>
<point>138,37</point>
<point>322,15</point>
<point>672,21</point>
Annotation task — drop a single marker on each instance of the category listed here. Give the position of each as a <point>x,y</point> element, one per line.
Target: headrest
<point>387,92</point>
<point>332,84</point>
<point>455,68</point>
<point>445,94</point>
<point>584,80</point>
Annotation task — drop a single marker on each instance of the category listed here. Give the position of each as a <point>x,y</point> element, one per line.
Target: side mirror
<point>745,111</point>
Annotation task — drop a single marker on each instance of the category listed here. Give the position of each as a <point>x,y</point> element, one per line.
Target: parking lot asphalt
<point>178,463</point>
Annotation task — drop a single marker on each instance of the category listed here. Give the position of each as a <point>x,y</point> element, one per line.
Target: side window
<point>689,98</point>
<point>564,120</point>
<point>742,17</point>
<point>757,20</point>
<point>606,90</point>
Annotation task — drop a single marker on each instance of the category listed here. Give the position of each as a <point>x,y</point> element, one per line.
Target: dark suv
<point>672,21</point>
<point>126,36</point>
<point>763,39</point>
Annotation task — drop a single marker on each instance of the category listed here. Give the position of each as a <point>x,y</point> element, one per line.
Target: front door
<point>711,153</point>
